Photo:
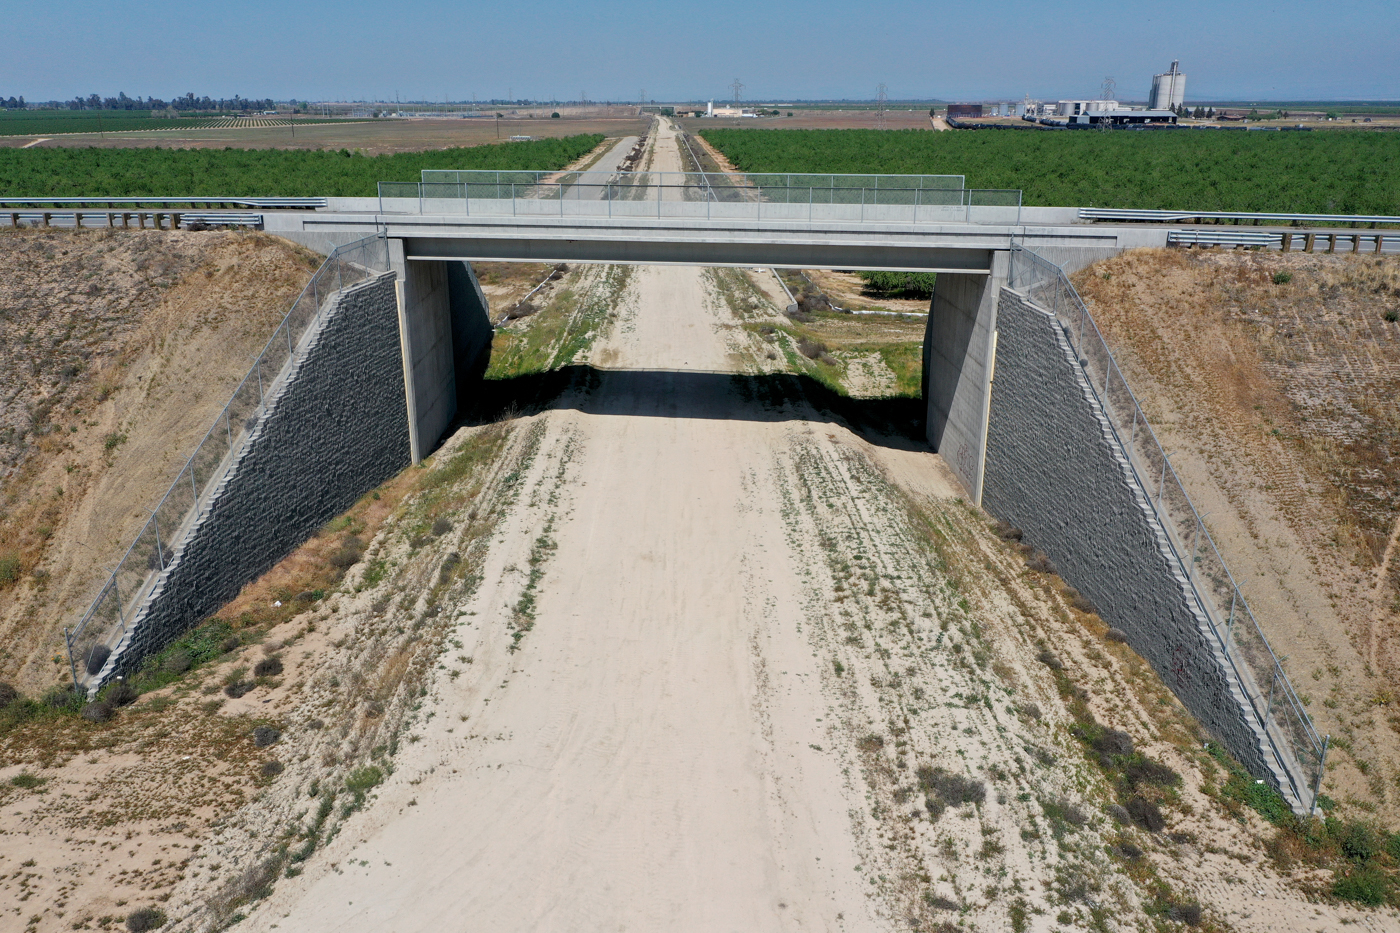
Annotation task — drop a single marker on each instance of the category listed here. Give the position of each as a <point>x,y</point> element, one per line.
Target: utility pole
<point>880,99</point>
<point>738,90</point>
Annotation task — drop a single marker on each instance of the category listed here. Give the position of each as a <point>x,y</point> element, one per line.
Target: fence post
<point>1317,784</point>
<point>1161,483</point>
<point>72,668</point>
<point>194,488</point>
<point>228,429</point>
<point>1269,709</point>
<point>160,548</point>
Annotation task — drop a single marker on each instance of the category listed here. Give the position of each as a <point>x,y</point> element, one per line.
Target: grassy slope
<point>1206,170</point>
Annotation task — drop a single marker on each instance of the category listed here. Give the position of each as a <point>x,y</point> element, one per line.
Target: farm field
<point>257,172</point>
<point>372,137</point>
<point>1345,173</point>
<point>29,123</point>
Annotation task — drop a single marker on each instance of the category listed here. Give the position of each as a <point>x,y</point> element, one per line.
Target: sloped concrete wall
<point>333,429</point>
<point>1055,471</point>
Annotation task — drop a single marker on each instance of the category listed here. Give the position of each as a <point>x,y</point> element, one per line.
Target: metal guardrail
<point>159,220</point>
<point>1351,240</point>
<point>111,614</point>
<point>693,196</point>
<point>1299,752</point>
<point>1222,238</point>
<point>166,203</point>
<point>1165,216</point>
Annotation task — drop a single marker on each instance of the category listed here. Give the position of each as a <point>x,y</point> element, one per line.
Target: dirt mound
<point>1272,380</point>
<point>119,349</point>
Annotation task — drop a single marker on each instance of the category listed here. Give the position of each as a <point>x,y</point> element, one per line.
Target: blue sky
<point>611,49</point>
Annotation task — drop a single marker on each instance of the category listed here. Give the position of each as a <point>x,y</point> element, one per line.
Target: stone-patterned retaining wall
<point>1056,471</point>
<point>333,428</point>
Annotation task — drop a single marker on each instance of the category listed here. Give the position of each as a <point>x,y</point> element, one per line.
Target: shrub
<point>813,349</point>
<point>268,667</point>
<point>1084,604</point>
<point>8,694</point>
<point>9,569</point>
<point>1189,914</point>
<point>1144,770</point>
<point>239,688</point>
<point>100,711</point>
<point>952,789</point>
<point>1113,742</point>
<point>351,550</point>
<point>177,662</point>
<point>96,657</point>
<point>27,781</point>
<point>1283,277</point>
<point>272,769</point>
<point>120,693</point>
<point>1050,661</point>
<point>1119,813</point>
<point>1040,562</point>
<point>441,527</point>
<point>1392,315</point>
<point>523,308</point>
<point>263,736</point>
<point>1367,886</point>
<point>63,697</point>
<point>1146,814</point>
<point>1116,634</point>
<point>147,918</point>
<point>1006,531</point>
<point>1358,842</point>
<point>871,743</point>
<point>229,644</point>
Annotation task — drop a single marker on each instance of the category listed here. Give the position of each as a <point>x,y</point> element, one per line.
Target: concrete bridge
<point>432,252</point>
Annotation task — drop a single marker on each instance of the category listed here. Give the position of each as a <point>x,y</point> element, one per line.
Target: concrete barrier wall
<point>334,428</point>
<point>1055,470</point>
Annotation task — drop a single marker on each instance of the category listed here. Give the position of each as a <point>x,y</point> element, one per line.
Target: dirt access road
<point>644,762</point>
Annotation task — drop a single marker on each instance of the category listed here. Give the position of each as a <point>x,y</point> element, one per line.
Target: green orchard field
<point>38,173</point>
<point>1338,172</point>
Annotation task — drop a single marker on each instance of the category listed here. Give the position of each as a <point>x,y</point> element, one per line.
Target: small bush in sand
<point>65,696</point>
<point>1041,563</point>
<point>441,527</point>
<point>97,712</point>
<point>268,667</point>
<point>27,781</point>
<point>1116,634</point>
<point>948,788</point>
<point>1050,661</point>
<point>1144,770</point>
<point>147,918</point>
<point>239,688</point>
<point>8,694</point>
<point>870,744</point>
<point>1006,531</point>
<point>120,693</point>
<point>1189,914</point>
<point>1113,742</point>
<point>230,644</point>
<point>1119,813</point>
<point>263,736</point>
<point>1146,814</point>
<point>272,769</point>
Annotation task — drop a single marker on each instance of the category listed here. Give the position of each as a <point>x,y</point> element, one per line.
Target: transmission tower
<point>880,99</point>
<point>738,90</point>
<point>1110,90</point>
<point>642,98</point>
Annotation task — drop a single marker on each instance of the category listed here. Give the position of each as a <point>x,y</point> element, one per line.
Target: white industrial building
<point>1168,89</point>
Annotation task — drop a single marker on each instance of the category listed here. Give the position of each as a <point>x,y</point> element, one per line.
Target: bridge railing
<point>106,620</point>
<point>1280,716</point>
<point>777,198</point>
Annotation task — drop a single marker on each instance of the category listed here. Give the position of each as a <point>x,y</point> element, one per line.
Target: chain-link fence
<point>899,199</point>
<point>91,641</point>
<point>1256,670</point>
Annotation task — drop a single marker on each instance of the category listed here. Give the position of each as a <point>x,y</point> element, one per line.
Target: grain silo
<point>1168,89</point>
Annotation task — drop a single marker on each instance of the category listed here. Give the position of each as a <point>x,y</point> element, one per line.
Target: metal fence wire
<point>1280,716</point>
<point>704,195</point>
<point>137,573</point>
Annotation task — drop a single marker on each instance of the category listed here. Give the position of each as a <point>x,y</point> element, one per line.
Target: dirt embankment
<point>118,351</point>
<point>1273,381</point>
